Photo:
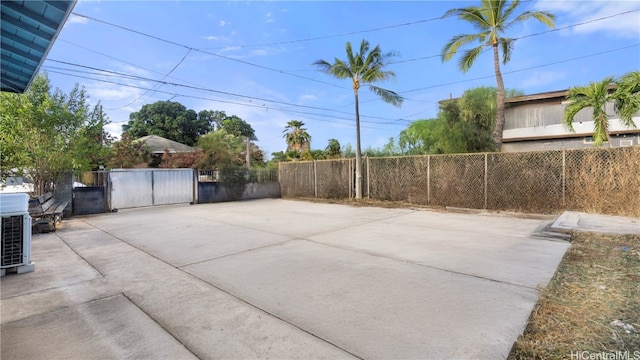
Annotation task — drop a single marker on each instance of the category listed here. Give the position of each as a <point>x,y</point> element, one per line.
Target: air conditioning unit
<point>15,233</point>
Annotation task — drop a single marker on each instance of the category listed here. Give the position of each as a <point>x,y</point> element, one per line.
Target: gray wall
<point>210,192</point>
<point>567,143</point>
<point>88,200</point>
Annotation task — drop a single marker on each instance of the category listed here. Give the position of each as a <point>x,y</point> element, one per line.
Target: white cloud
<point>74,19</point>
<point>269,17</point>
<point>575,12</point>
<point>230,48</point>
<point>224,23</point>
<point>134,70</point>
<point>110,92</point>
<point>541,78</point>
<point>307,97</point>
<point>251,53</point>
<point>259,52</point>
<point>216,38</point>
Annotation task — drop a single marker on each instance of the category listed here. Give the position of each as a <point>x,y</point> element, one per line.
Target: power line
<point>523,69</point>
<point>323,37</point>
<point>528,36</point>
<point>236,103</point>
<point>157,85</point>
<point>136,77</point>
<point>207,52</point>
<point>389,120</point>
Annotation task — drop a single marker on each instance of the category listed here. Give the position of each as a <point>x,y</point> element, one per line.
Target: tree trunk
<point>358,152</point>
<point>497,133</point>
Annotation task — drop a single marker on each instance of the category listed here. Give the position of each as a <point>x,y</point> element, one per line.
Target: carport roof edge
<point>29,29</point>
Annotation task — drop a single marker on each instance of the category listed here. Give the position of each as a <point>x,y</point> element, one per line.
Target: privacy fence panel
<point>173,186</point>
<point>603,180</point>
<point>297,179</point>
<point>399,179</point>
<point>334,178</point>
<point>130,188</point>
<point>458,180</point>
<point>525,182</point>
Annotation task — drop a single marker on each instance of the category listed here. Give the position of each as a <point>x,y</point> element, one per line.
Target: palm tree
<point>492,18</point>
<point>363,68</point>
<point>333,149</point>
<point>626,98</point>
<point>297,137</point>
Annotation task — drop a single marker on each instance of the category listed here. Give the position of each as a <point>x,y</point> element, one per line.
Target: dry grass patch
<point>594,294</point>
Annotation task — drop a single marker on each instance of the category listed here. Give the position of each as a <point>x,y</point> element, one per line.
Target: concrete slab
<point>47,251</point>
<point>454,242</point>
<point>376,307</point>
<point>576,221</point>
<point>93,330</point>
<point>283,279</point>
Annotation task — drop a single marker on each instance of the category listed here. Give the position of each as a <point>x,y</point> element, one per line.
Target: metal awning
<point>28,30</point>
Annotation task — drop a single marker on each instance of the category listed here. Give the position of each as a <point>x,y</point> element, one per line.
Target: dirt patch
<point>591,306</point>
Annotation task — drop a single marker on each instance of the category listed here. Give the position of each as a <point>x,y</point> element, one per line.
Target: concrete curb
<point>571,221</point>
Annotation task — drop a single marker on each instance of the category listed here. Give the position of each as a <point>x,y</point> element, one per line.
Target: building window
<point>588,140</point>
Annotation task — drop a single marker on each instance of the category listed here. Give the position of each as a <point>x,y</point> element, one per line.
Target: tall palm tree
<point>626,99</point>
<point>492,18</point>
<point>333,149</point>
<point>297,137</point>
<point>364,68</point>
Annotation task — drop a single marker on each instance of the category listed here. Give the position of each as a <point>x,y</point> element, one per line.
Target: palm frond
<point>544,17</point>
<point>506,13</point>
<point>388,96</point>
<point>469,56</point>
<point>594,96</point>
<point>627,97</point>
<point>507,46</point>
<point>451,48</point>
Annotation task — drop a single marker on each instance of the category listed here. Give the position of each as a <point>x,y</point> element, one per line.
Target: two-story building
<point>535,122</point>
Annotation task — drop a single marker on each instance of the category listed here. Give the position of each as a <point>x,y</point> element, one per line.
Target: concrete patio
<point>278,279</point>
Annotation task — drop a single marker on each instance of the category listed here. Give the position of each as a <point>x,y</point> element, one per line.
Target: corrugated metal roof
<point>28,30</point>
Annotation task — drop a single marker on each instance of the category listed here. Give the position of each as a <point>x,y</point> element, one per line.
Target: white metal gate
<point>130,188</point>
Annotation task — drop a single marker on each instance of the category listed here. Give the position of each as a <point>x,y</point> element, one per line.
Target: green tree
<point>491,19</point>
<point>297,137</point>
<point>238,127</point>
<point>463,125</point>
<point>333,150</point>
<point>364,68</point>
<point>170,120</point>
<point>221,149</point>
<point>596,95</point>
<point>45,132</point>
<point>212,117</point>
<point>127,153</point>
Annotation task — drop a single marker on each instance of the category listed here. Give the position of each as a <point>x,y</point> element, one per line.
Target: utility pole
<point>248,154</point>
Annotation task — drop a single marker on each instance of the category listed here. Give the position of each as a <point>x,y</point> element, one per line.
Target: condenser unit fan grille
<point>12,240</point>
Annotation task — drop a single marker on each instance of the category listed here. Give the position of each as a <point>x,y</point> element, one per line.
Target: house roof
<point>29,29</point>
<point>158,144</point>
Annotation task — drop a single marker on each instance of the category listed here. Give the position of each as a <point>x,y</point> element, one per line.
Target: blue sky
<point>253,59</point>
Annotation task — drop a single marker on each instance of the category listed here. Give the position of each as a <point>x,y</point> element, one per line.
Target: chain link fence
<point>257,176</point>
<point>605,180</point>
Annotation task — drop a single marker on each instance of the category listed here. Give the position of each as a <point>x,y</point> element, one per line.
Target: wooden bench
<point>47,211</point>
